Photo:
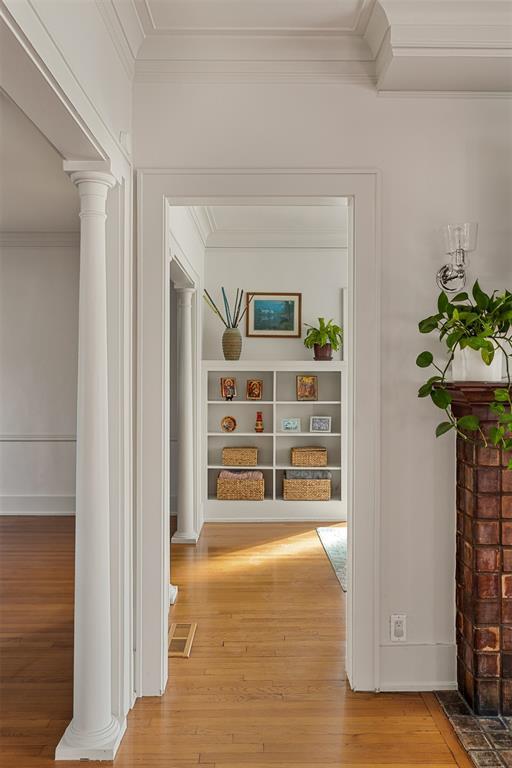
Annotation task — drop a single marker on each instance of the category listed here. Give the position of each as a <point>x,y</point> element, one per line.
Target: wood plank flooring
<point>264,687</point>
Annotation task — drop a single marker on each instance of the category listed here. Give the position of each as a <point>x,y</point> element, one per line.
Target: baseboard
<point>37,505</point>
<point>418,667</point>
<point>216,511</point>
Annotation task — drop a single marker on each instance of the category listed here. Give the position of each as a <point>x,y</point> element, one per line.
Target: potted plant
<point>477,335</point>
<point>324,339</point>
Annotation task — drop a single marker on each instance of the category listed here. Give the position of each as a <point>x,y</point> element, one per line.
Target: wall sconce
<point>459,240</point>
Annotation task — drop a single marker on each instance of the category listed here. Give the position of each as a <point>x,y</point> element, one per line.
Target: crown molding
<point>115,30</point>
<point>300,237</point>
<point>9,239</point>
<point>200,215</point>
<point>212,72</point>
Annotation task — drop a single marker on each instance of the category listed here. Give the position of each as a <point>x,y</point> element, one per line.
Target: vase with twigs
<point>231,318</point>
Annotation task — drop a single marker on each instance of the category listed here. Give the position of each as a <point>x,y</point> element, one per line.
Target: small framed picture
<point>307,388</point>
<point>291,424</point>
<point>320,424</point>
<point>254,389</point>
<point>228,388</point>
<point>274,315</point>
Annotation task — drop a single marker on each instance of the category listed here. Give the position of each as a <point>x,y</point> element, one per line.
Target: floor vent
<point>181,637</point>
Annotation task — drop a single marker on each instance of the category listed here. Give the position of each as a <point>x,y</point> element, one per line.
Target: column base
<point>185,538</point>
<point>173,594</point>
<point>96,746</point>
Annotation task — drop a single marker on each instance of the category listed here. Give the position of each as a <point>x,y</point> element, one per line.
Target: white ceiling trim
<point>295,238</point>
<point>39,239</point>
<point>211,72</point>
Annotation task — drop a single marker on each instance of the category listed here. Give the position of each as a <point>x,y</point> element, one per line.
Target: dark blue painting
<point>274,315</point>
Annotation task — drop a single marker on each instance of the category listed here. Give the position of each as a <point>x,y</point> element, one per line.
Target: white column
<point>94,733</point>
<point>186,533</point>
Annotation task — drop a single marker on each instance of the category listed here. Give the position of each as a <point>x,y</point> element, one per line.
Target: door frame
<point>157,189</point>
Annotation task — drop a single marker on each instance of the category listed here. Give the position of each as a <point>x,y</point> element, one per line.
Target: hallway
<point>264,686</point>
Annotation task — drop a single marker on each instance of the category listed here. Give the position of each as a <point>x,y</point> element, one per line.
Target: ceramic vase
<point>468,365</point>
<point>232,344</point>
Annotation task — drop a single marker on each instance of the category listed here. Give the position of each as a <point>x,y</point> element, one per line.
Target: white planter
<point>468,365</point>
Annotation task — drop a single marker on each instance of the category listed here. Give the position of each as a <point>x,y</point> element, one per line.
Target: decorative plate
<point>228,424</point>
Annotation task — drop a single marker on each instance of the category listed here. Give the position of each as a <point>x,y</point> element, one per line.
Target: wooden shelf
<point>240,434</point>
<point>236,466</point>
<point>291,466</point>
<point>308,434</point>
<point>308,402</point>
<point>240,402</point>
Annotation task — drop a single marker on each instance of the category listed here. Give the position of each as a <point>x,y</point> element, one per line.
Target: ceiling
<point>321,225</point>
<point>249,15</point>
<point>35,193</point>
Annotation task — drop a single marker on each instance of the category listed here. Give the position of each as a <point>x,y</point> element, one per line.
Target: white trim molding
<point>37,505</point>
<point>158,189</point>
<point>58,239</point>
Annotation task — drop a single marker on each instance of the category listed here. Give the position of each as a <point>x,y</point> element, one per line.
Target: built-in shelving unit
<point>274,445</point>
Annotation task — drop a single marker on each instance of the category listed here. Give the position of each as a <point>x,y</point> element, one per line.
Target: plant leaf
<point>424,359</point>
<point>501,395</point>
<point>481,298</point>
<point>441,398</point>
<point>442,303</point>
<point>469,423</point>
<point>443,427</point>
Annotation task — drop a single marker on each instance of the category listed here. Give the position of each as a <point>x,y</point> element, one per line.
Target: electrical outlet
<point>398,627</point>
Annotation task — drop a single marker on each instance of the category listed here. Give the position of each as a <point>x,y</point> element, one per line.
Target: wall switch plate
<point>398,627</point>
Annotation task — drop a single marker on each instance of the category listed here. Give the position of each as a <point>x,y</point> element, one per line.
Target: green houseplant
<point>324,339</point>
<point>482,324</point>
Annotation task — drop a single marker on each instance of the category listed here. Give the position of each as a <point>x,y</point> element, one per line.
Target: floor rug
<point>334,541</point>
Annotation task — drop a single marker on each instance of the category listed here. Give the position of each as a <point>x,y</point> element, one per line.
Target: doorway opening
<point>273,451</point>
<point>166,197</point>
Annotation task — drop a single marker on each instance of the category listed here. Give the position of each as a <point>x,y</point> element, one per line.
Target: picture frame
<point>274,315</point>
<point>291,424</point>
<point>307,388</point>
<point>254,389</point>
<point>228,388</point>
<point>320,424</point>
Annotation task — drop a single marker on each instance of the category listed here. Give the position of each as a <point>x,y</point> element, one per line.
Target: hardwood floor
<point>264,686</point>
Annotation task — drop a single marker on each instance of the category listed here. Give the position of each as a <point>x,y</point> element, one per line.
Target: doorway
<point>195,188</point>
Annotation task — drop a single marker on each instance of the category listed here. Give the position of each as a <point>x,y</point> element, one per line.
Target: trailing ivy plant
<point>482,323</point>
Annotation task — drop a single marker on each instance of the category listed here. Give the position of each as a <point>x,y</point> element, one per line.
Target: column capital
<point>184,289</point>
<point>95,177</point>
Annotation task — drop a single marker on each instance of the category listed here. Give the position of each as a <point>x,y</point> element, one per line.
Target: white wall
<point>38,350</point>
<point>319,274</point>
<point>441,159</point>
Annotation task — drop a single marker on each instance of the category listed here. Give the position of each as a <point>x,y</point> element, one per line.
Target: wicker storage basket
<point>239,457</point>
<point>232,489</point>
<point>306,490</point>
<point>309,457</point>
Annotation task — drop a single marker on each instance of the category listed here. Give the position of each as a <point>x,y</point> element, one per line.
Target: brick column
<point>484,562</point>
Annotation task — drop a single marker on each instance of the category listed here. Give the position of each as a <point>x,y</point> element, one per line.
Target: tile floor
<point>487,740</point>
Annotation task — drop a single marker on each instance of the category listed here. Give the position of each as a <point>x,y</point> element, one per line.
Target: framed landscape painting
<point>274,315</point>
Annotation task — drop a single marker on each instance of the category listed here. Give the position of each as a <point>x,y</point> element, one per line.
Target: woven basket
<point>306,490</point>
<point>309,457</point>
<point>232,489</point>
<point>239,457</point>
